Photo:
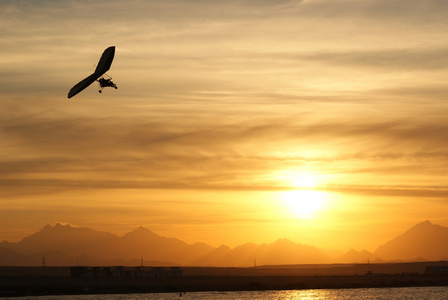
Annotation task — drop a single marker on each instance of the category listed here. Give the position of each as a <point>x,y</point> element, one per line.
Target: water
<point>411,293</point>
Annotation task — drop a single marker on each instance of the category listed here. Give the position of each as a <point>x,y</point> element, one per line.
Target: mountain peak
<point>426,223</point>
<point>141,228</point>
<point>354,256</point>
<point>425,239</point>
<point>57,226</point>
<point>47,227</point>
<point>283,241</point>
<point>60,225</point>
<point>224,248</point>
<point>426,228</point>
<point>139,232</point>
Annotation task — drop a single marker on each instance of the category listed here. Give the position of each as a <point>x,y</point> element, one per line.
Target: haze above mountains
<point>64,245</point>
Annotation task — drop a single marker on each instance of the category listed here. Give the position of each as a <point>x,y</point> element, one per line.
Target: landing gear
<point>106,81</point>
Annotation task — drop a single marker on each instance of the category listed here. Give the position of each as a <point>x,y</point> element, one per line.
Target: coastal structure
<point>125,272</point>
<point>437,270</point>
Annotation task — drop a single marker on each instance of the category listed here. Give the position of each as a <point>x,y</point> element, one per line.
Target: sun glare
<point>303,179</point>
<point>304,199</point>
<point>304,203</point>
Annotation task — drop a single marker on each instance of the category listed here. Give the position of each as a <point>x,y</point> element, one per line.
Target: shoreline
<point>42,281</point>
<point>19,287</point>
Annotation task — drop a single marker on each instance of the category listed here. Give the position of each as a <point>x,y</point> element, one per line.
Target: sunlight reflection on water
<point>428,293</point>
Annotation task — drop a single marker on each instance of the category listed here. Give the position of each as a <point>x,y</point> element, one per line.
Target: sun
<point>304,197</point>
<point>304,204</point>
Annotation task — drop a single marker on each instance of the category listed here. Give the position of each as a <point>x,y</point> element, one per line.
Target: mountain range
<point>65,245</point>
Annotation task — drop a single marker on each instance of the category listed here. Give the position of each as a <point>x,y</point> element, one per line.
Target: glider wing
<point>82,85</point>
<point>102,67</point>
<point>105,61</point>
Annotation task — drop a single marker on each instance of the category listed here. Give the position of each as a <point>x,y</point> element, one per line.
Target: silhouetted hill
<point>353,256</point>
<point>72,245</point>
<point>423,241</point>
<point>215,257</point>
<point>9,257</point>
<point>67,245</point>
<point>82,243</point>
<point>144,243</point>
<point>70,240</point>
<point>284,251</point>
<point>280,252</point>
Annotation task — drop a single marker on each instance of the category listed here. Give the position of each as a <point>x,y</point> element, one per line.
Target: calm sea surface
<point>419,293</point>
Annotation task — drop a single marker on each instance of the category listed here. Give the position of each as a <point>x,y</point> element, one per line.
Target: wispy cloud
<point>186,154</point>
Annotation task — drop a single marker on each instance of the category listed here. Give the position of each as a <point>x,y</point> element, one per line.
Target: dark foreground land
<point>33,281</point>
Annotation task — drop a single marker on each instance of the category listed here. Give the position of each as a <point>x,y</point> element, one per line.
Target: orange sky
<point>320,121</point>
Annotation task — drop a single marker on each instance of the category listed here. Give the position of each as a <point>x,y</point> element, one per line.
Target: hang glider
<point>98,75</point>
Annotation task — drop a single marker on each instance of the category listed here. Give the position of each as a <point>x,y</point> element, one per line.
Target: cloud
<point>53,150</point>
<point>410,59</point>
<point>233,45</point>
<point>374,9</point>
<point>436,192</point>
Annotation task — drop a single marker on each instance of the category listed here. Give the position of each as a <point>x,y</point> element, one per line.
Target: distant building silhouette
<point>125,272</point>
<point>436,270</point>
